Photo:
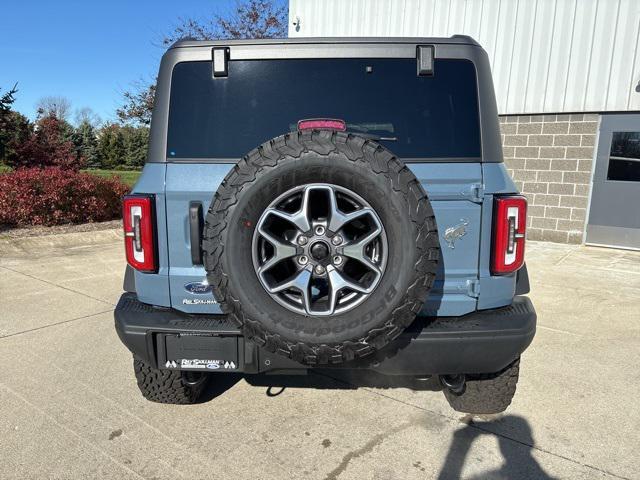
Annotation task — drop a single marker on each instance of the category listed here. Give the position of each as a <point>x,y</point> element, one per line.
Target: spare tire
<point>321,245</point>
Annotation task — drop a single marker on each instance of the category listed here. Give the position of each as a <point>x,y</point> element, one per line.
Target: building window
<point>624,157</point>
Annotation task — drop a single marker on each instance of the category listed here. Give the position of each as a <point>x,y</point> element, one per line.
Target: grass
<point>126,176</point>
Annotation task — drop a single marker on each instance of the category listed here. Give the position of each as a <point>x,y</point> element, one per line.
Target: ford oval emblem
<point>198,288</point>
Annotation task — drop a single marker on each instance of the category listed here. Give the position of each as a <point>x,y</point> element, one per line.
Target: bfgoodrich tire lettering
<point>363,167</point>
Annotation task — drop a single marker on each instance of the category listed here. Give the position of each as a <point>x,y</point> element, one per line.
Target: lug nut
<point>302,240</point>
<point>337,260</point>
<point>319,270</point>
<point>319,230</point>
<point>303,259</point>
<point>336,240</point>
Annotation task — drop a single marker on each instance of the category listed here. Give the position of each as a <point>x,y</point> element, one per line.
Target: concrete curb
<point>35,245</point>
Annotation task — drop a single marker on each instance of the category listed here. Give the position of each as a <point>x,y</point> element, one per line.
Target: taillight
<point>509,228</point>
<point>139,232</point>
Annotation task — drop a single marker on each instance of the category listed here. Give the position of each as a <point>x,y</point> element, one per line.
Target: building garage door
<point>614,215</point>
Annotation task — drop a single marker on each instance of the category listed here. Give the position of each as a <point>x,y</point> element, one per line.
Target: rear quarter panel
<point>154,288</point>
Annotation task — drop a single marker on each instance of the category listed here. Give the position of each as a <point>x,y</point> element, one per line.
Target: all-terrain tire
<point>350,161</point>
<point>166,386</point>
<point>487,393</point>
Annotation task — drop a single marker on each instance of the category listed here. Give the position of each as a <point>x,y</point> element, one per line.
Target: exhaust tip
<point>454,383</point>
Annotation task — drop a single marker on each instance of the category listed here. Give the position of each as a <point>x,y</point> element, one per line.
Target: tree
<point>250,19</point>
<point>86,143</point>
<point>54,106</point>
<point>47,145</point>
<point>111,150</point>
<point>87,115</point>
<point>7,99</point>
<point>138,105</point>
<point>121,147</point>
<point>136,142</point>
<point>14,127</point>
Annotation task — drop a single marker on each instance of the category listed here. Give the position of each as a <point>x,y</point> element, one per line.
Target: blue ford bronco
<point>326,203</point>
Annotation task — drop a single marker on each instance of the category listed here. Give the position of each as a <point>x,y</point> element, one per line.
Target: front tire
<point>486,393</point>
<point>167,386</point>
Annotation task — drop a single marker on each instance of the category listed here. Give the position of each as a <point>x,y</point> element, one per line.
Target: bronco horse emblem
<point>451,234</point>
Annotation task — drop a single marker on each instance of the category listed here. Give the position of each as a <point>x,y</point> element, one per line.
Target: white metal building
<point>567,81</point>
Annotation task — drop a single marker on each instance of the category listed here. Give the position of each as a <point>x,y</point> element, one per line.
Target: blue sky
<point>88,51</point>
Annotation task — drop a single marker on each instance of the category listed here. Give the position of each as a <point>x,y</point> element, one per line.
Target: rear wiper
<point>377,138</point>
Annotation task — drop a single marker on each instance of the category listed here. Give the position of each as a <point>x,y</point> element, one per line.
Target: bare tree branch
<point>87,115</point>
<point>54,106</point>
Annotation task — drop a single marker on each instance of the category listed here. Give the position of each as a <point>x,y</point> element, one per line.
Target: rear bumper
<point>481,342</point>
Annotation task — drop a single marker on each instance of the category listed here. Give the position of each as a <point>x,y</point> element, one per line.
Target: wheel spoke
<point>355,250</point>
<point>281,249</point>
<point>300,281</point>
<point>357,253</point>
<point>338,282</point>
<point>338,219</point>
<point>299,219</point>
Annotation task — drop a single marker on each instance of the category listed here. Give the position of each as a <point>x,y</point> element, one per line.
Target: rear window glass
<point>415,117</point>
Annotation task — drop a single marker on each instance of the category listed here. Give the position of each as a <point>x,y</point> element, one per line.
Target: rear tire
<point>486,393</point>
<point>167,386</point>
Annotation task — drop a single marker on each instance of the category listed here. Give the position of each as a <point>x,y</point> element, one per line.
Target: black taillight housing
<point>509,230</point>
<point>138,218</point>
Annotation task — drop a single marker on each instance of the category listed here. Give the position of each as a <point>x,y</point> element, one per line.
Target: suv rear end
<point>326,203</point>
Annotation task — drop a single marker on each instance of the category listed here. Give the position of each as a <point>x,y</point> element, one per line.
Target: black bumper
<point>480,342</point>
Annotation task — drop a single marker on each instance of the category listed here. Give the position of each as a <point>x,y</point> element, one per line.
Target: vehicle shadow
<point>218,384</point>
<point>321,379</point>
<point>518,460</point>
<point>340,379</point>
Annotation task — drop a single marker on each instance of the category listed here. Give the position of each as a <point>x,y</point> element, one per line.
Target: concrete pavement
<point>71,409</point>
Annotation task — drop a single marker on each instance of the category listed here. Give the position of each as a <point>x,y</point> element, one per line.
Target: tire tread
<point>487,393</point>
<point>164,386</point>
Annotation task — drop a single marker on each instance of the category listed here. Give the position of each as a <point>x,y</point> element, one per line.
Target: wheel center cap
<point>319,251</point>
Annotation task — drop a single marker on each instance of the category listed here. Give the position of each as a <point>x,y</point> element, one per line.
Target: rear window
<point>385,99</point>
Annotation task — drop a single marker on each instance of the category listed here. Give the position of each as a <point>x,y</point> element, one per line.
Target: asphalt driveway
<point>71,409</point>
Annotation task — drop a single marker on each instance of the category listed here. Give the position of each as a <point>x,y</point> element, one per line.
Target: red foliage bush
<point>53,196</point>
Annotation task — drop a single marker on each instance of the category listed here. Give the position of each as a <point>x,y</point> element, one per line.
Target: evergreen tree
<point>7,99</point>
<point>14,127</point>
<point>86,143</point>
<point>136,141</point>
<point>111,149</point>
